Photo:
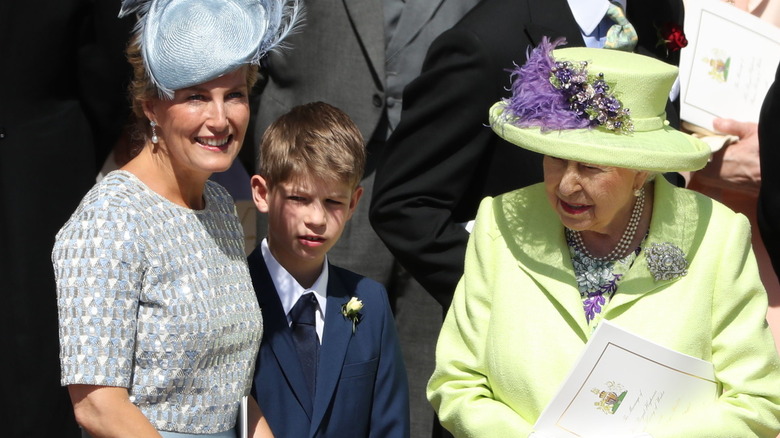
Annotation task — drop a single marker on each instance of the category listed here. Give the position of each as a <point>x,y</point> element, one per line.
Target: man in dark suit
<point>442,159</point>
<point>63,103</point>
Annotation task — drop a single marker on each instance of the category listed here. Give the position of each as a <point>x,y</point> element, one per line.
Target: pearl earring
<point>155,139</point>
<point>638,192</point>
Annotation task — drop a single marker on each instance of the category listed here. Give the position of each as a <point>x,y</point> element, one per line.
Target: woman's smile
<point>203,126</point>
<point>215,143</point>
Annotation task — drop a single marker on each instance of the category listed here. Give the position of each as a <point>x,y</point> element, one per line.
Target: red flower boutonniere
<point>672,37</point>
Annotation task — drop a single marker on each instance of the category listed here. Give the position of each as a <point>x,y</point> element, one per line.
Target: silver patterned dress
<point>157,298</point>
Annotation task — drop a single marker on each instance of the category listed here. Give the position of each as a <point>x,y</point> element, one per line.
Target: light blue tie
<point>622,35</point>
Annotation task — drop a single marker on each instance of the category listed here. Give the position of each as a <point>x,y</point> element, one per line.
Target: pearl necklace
<point>625,241</point>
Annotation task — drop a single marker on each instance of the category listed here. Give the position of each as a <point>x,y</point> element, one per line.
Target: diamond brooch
<point>666,261</point>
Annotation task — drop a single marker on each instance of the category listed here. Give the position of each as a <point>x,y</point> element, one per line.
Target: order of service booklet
<point>728,65</point>
<point>622,384</point>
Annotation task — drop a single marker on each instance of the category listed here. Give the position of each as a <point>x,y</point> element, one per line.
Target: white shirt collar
<point>589,13</point>
<point>289,289</point>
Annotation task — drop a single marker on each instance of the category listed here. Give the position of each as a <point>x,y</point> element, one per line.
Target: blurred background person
<point>62,110</point>
<point>733,176</point>
<point>769,196</point>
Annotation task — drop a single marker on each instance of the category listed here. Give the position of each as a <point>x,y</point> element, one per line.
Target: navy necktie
<point>303,316</point>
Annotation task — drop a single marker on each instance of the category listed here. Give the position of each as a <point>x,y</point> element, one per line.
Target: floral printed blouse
<point>598,280</point>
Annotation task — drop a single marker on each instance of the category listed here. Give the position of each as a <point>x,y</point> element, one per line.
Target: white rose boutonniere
<point>351,310</point>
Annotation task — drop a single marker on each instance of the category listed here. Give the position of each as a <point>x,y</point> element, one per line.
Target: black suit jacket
<point>443,159</point>
<point>769,151</point>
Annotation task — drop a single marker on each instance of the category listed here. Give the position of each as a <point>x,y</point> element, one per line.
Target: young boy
<point>330,363</point>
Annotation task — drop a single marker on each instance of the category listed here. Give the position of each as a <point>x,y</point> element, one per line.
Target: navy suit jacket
<point>362,388</point>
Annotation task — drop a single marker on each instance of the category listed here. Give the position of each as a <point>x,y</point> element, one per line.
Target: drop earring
<point>155,138</point>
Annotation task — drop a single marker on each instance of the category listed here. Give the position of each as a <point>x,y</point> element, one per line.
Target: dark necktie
<point>303,316</point>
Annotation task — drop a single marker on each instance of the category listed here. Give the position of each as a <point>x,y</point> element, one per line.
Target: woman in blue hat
<point>159,324</point>
<point>602,239</point>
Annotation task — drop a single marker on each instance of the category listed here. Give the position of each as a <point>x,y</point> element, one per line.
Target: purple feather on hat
<point>556,95</point>
<point>535,102</point>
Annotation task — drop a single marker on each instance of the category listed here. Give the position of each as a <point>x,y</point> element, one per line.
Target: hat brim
<point>660,150</point>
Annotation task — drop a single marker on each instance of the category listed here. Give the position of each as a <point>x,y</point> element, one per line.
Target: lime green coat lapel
<point>674,221</point>
<point>538,243</point>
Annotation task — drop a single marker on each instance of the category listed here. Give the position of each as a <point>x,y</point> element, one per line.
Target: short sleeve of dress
<point>98,267</point>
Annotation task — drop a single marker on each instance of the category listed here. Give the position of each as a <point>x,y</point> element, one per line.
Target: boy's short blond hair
<point>314,139</point>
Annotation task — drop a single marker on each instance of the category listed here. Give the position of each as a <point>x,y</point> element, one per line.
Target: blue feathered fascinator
<point>189,42</point>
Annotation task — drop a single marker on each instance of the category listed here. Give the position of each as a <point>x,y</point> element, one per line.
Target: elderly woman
<point>159,324</point>
<point>546,264</point>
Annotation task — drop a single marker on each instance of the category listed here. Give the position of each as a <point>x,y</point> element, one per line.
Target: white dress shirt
<point>290,290</point>
<point>590,15</point>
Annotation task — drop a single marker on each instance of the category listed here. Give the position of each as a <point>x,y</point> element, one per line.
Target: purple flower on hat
<point>554,95</point>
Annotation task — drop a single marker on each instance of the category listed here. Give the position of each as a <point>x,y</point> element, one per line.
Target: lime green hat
<point>596,106</point>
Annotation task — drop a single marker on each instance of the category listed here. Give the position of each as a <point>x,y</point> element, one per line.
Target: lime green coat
<point>516,324</point>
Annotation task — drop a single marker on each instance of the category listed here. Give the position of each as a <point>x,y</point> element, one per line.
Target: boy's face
<point>305,219</point>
